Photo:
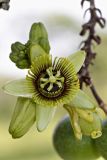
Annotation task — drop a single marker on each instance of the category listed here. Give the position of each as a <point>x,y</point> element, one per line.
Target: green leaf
<point>77,59</point>
<point>20,87</point>
<point>44,115</point>
<point>35,51</point>
<point>23,117</point>
<point>82,100</point>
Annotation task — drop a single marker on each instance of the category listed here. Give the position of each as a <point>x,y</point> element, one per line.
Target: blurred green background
<point>34,145</point>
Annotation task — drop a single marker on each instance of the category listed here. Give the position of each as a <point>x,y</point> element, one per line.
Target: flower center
<point>51,83</point>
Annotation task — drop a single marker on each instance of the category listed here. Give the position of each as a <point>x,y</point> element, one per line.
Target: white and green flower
<point>47,86</point>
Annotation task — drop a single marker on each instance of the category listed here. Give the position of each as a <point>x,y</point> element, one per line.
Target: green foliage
<point>69,148</point>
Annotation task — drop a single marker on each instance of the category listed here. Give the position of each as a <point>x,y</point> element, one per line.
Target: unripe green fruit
<point>68,147</point>
<point>101,143</point>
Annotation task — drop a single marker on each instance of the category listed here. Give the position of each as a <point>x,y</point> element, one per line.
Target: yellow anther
<point>57,74</point>
<point>50,87</point>
<point>59,84</point>
<point>96,134</point>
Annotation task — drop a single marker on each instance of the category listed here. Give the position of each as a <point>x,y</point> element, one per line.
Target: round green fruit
<point>101,143</point>
<point>68,147</point>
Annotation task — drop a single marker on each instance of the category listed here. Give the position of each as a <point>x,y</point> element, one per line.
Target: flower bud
<point>23,117</point>
<point>19,55</point>
<point>37,31</point>
<point>39,35</point>
<point>22,64</point>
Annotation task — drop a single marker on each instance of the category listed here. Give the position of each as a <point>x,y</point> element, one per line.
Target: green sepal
<point>44,114</point>
<point>82,100</point>
<point>35,51</point>
<point>38,35</point>
<point>20,87</point>
<point>77,59</point>
<point>23,117</point>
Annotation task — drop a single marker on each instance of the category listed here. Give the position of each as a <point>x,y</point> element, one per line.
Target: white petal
<point>77,59</point>
<point>20,87</point>
<point>44,115</point>
<point>82,100</point>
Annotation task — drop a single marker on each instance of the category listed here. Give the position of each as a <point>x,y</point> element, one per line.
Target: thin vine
<point>4,4</point>
<point>87,46</point>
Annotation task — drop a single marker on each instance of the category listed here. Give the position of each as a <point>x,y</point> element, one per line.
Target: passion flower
<point>47,85</point>
<point>53,84</point>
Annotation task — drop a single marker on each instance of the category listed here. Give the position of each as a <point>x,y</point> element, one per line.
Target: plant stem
<point>87,46</point>
<point>4,4</point>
